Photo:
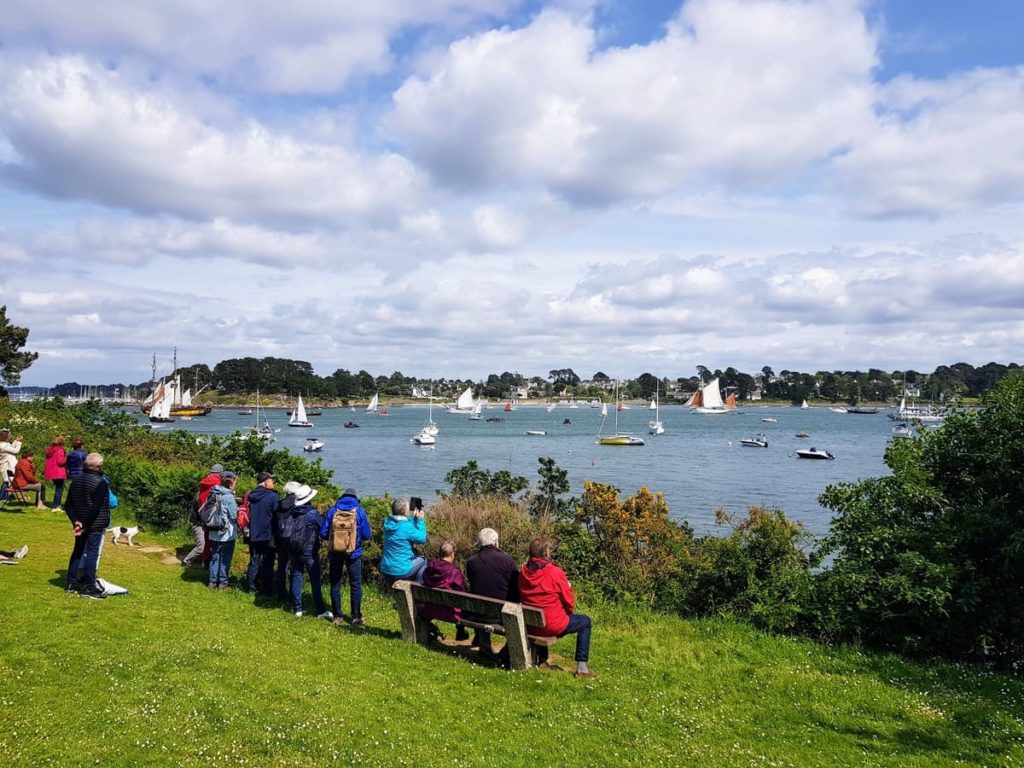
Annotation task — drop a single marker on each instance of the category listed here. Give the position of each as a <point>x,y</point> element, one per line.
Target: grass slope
<point>174,674</point>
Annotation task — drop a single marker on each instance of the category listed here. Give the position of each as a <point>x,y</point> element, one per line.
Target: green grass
<point>174,674</point>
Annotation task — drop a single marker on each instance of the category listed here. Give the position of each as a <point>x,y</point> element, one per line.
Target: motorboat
<point>801,433</point>
<point>861,410</point>
<point>620,440</point>
<point>424,438</point>
<point>313,445</point>
<point>350,425</point>
<point>536,432</point>
<point>902,431</point>
<point>838,410</point>
<point>814,453</point>
<point>495,418</point>
<point>757,441</point>
<point>770,420</point>
<point>246,412</point>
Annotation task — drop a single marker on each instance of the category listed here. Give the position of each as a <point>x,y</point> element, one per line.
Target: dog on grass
<point>128,533</point>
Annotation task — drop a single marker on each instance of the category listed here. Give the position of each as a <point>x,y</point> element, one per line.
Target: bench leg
<point>413,629</point>
<point>515,636</point>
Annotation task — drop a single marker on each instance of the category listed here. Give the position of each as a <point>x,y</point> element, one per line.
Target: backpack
<point>296,533</point>
<point>344,536</point>
<point>287,523</point>
<point>212,513</point>
<point>243,513</point>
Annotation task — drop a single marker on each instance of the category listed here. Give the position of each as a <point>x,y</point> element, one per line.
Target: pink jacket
<point>56,463</point>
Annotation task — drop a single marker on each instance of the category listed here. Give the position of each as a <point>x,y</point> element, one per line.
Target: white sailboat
<point>265,431</point>
<point>477,414</point>
<point>804,406</point>
<point>298,417</point>
<point>161,410</point>
<point>655,427</point>
<point>914,412</point>
<point>619,438</point>
<point>708,400</point>
<point>430,428</point>
<point>550,407</point>
<point>464,404</point>
<point>372,407</point>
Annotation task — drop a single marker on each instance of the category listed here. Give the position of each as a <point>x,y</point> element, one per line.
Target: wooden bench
<point>510,619</point>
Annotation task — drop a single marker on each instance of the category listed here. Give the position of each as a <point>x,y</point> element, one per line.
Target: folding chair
<point>9,493</point>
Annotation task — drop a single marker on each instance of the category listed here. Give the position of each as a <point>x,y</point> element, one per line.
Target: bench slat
<point>487,606</point>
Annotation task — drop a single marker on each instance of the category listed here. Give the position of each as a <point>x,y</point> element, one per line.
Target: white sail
<point>162,408</point>
<point>298,418</point>
<point>465,399</point>
<point>372,407</point>
<point>186,398</point>
<point>804,406</point>
<point>713,395</point>
<point>604,409</point>
<point>653,406</point>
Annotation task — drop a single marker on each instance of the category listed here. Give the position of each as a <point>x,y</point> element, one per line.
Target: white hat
<point>304,495</point>
<point>291,487</point>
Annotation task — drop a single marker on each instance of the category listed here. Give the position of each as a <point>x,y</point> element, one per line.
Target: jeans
<point>337,564</point>
<point>76,560</point>
<point>281,573</point>
<point>311,565</point>
<point>419,565</point>
<point>58,493</point>
<point>91,559</point>
<point>259,553</point>
<point>220,561</point>
<point>579,623</point>
<point>197,551</point>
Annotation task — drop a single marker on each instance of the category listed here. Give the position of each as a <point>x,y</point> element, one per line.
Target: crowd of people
<point>18,468</point>
<point>285,533</point>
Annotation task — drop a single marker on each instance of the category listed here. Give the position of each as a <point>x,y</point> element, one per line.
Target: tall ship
<point>182,400</point>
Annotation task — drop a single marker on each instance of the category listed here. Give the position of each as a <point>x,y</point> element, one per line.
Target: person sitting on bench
<point>442,573</point>
<point>544,585</point>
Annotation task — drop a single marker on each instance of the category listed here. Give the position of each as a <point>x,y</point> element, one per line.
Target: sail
<point>653,406</point>
<point>372,407</point>
<point>465,401</point>
<point>804,405</point>
<point>162,409</point>
<point>299,416</point>
<point>712,395</point>
<point>697,400</point>
<point>478,407</point>
<point>508,407</point>
<point>604,409</point>
<point>730,401</point>
<point>186,398</point>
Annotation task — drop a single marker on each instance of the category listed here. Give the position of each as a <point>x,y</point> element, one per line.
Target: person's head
<point>228,480</point>
<point>350,492</point>
<point>448,551</point>
<point>266,480</point>
<point>28,453</point>
<point>94,462</point>
<point>400,507</point>
<point>291,487</point>
<point>488,537</point>
<point>58,440</point>
<point>77,442</point>
<point>217,469</point>
<point>5,435</point>
<point>304,495</point>
<point>540,547</point>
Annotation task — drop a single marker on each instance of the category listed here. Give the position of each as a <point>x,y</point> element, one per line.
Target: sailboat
<point>655,427</point>
<point>708,400</point>
<point>298,418</point>
<point>550,407</point>
<point>372,407</point>
<point>477,414</point>
<point>266,431</point>
<point>430,428</point>
<point>804,406</point>
<point>619,438</point>
<point>160,412</point>
<point>464,404</point>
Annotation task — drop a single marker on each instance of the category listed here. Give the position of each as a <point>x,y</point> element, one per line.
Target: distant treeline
<point>280,376</point>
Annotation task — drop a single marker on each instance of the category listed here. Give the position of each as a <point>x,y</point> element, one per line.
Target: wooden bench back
<point>466,601</point>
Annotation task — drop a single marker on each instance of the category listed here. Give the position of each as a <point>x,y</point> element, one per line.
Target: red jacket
<point>56,463</point>
<point>544,585</point>
<point>24,473</point>
<point>206,485</point>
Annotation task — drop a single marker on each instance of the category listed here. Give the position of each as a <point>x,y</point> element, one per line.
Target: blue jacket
<point>363,533</point>
<point>75,462</point>
<point>230,508</point>
<point>263,504</point>
<point>305,538</point>
<point>400,533</point>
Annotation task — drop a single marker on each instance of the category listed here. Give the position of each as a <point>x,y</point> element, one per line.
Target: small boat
<point>464,404</point>
<point>655,425</point>
<point>246,412</point>
<point>536,432</point>
<point>424,438</point>
<point>757,441</point>
<point>566,421</point>
<point>372,407</point>
<point>430,429</point>
<point>477,413</point>
<point>495,418</point>
<point>838,410</point>
<point>350,425</point>
<point>861,410</point>
<point>902,431</point>
<point>550,407</point>
<point>804,406</point>
<point>708,400</point>
<point>801,433</point>
<point>266,431</point>
<point>619,438</point>
<point>298,418</point>
<point>312,445</point>
<point>814,453</point>
<point>770,420</point>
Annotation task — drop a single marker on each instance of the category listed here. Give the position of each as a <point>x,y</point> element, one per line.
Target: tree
<point>12,360</point>
<point>648,385</point>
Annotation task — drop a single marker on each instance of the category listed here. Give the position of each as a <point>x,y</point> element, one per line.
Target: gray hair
<point>447,549</point>
<point>400,507</point>
<point>488,537</point>
<point>93,461</point>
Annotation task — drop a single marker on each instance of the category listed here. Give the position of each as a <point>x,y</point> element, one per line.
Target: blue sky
<point>466,187</point>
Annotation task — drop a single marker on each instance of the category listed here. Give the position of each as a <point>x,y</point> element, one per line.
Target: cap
<point>263,477</point>
<point>216,469</point>
<point>351,492</point>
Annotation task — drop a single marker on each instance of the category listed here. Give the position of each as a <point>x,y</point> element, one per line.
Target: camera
<point>415,503</point>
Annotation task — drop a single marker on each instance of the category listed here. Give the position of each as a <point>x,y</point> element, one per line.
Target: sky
<point>459,187</point>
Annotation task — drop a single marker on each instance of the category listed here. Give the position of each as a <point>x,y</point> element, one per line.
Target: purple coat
<point>442,575</point>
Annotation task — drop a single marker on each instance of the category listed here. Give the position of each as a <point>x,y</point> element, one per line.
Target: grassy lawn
<point>173,674</point>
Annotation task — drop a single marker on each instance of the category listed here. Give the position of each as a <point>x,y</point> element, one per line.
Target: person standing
<point>401,531</point>
<point>281,544</point>
<point>263,505</point>
<point>350,562</point>
<point>198,553</point>
<point>9,451</point>
<point>25,478</point>
<point>88,509</point>
<point>76,459</point>
<point>55,470</point>
<point>222,540</point>
<point>544,585</point>
<point>492,573</point>
<point>304,546</point>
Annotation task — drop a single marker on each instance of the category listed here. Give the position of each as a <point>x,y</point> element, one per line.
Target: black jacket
<point>263,505</point>
<point>88,501</point>
<point>493,573</point>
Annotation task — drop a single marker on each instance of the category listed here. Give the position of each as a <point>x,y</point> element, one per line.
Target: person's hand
<point>18,439</point>
<point>418,513</point>
<point>78,527</point>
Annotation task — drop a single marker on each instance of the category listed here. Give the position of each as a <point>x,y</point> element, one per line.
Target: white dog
<point>128,533</point>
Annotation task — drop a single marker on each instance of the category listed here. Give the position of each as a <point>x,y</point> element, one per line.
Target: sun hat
<point>290,488</point>
<point>304,495</point>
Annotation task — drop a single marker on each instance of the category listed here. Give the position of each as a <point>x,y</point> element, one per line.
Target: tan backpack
<point>344,537</point>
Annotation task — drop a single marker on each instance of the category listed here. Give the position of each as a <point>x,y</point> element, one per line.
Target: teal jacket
<point>400,533</point>
<point>230,507</point>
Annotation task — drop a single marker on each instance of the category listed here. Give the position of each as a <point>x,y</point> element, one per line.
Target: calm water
<point>698,463</point>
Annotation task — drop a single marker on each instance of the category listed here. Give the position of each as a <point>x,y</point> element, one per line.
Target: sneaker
<point>357,621</point>
<point>338,621</point>
<point>298,613</point>
<point>58,509</point>
<point>223,586</point>
<point>589,674</point>
<point>21,552</point>
<point>72,589</point>
<point>93,594</point>
<point>325,615</point>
